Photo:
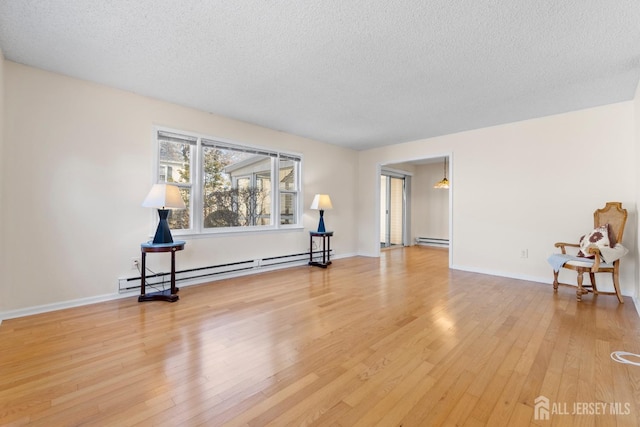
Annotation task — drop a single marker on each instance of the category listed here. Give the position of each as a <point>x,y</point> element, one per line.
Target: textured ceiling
<point>357,73</point>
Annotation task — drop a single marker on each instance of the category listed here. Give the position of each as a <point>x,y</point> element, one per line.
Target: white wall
<point>524,185</point>
<point>636,110</point>
<point>80,166</point>
<point>3,282</point>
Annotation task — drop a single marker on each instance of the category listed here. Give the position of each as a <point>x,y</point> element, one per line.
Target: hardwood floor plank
<point>400,399</point>
<point>462,410</point>
<point>271,401</point>
<point>399,340</point>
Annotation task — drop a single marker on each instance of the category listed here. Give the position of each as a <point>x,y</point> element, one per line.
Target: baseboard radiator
<point>218,271</point>
<point>432,241</point>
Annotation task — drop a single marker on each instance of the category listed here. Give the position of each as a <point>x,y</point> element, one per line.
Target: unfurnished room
<point>334,213</point>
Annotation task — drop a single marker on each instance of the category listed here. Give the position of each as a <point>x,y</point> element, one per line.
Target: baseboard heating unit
<point>432,241</point>
<point>198,275</point>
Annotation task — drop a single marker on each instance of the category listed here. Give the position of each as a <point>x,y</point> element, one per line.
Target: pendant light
<point>444,183</point>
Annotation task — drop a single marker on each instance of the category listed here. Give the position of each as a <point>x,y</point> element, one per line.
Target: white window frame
<point>197,228</point>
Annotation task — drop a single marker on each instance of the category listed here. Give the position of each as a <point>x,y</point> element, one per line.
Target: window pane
<point>180,219</point>
<point>175,160</point>
<point>288,204</point>
<point>236,188</point>
<point>263,197</point>
<point>287,175</point>
<point>288,185</point>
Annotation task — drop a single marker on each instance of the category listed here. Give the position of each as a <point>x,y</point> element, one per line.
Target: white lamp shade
<point>164,196</point>
<point>321,202</point>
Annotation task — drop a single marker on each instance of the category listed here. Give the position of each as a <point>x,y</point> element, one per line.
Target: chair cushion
<point>599,237</point>
<point>588,262</point>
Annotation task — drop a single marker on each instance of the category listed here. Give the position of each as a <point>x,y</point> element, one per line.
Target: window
<point>228,186</point>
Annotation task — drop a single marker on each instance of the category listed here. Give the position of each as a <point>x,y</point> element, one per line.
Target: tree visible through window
<point>237,188</point>
<point>232,187</point>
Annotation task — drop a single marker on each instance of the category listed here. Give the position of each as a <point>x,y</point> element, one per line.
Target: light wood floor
<point>399,340</point>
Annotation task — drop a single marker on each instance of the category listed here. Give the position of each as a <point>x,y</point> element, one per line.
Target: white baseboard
<point>537,279</point>
<point>38,309</point>
<point>369,254</point>
<point>11,314</point>
<point>45,308</point>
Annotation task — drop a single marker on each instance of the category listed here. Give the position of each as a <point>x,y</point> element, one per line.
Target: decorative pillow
<point>598,237</point>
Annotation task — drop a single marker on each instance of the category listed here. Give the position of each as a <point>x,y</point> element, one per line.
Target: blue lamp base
<point>321,228</point>
<point>163,233</point>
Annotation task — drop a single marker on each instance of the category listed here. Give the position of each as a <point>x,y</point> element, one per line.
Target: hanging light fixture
<point>444,183</point>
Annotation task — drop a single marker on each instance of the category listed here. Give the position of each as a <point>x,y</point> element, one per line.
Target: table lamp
<point>164,197</point>
<point>321,202</point>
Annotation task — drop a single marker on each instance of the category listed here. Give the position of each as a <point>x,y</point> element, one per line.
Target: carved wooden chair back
<point>614,215</point>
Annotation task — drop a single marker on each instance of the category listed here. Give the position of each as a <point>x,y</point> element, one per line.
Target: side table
<point>170,295</point>
<point>326,248</point>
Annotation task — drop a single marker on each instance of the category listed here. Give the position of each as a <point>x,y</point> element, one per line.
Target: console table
<point>326,248</point>
<point>171,294</point>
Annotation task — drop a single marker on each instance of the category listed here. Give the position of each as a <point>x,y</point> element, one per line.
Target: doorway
<point>427,211</point>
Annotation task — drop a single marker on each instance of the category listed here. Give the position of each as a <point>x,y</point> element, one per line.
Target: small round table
<point>170,295</point>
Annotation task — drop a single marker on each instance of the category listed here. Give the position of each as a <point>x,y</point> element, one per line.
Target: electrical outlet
<point>524,253</point>
<point>135,263</point>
